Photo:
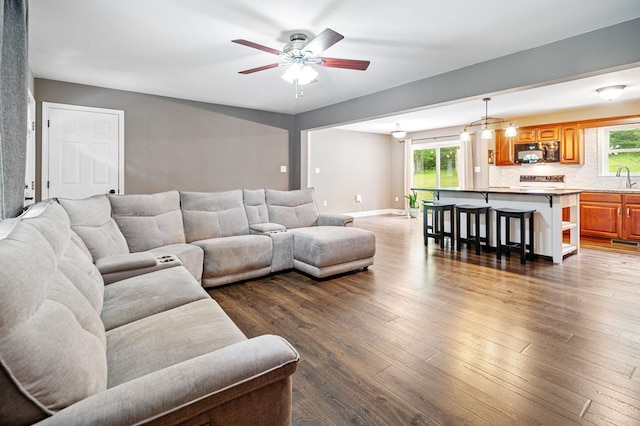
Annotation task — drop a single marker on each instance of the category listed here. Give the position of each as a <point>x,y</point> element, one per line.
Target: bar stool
<point>474,239</point>
<point>523,216</point>
<point>436,228</point>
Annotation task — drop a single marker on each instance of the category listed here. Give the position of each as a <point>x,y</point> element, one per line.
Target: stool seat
<point>435,229</point>
<point>474,239</point>
<point>523,216</point>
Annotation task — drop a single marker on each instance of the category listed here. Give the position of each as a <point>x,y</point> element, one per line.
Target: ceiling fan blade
<point>351,64</point>
<point>323,41</point>
<point>257,46</point>
<point>262,68</point>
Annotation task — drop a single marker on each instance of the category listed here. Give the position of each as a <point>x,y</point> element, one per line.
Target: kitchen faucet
<point>629,184</point>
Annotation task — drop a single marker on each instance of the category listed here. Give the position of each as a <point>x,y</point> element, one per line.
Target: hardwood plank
<point>431,336</point>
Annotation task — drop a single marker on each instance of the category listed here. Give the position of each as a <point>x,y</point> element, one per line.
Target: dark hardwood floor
<point>430,336</point>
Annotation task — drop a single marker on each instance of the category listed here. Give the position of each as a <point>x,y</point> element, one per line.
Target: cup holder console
<point>167,258</point>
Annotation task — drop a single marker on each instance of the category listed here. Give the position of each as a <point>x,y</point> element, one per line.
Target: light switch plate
<point>283,169</point>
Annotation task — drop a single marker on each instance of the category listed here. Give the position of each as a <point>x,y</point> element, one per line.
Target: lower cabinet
<point>632,217</point>
<point>610,215</point>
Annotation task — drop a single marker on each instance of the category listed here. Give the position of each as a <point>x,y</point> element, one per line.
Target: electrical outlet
<point>324,203</point>
<point>397,199</point>
<point>317,170</point>
<point>283,169</point>
<point>358,198</point>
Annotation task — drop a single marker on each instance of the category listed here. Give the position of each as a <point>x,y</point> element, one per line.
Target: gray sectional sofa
<point>220,237</point>
<point>103,318</point>
<point>153,348</point>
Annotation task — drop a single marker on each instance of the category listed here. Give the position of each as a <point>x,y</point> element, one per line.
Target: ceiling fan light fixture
<point>398,133</point>
<point>305,74</point>
<point>510,131</point>
<point>611,92</point>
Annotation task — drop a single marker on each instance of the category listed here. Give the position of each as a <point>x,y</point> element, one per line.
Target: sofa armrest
<point>126,262</point>
<point>334,220</point>
<point>266,228</point>
<point>196,387</point>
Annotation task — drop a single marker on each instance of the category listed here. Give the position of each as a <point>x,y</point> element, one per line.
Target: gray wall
<point>353,163</point>
<point>177,144</point>
<point>586,54</point>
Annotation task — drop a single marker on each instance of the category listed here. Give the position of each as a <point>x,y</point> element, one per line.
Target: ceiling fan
<point>300,54</point>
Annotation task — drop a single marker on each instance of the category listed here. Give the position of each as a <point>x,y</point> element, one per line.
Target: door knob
<point>112,191</point>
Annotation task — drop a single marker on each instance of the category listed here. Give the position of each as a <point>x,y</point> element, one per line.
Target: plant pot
<point>414,212</point>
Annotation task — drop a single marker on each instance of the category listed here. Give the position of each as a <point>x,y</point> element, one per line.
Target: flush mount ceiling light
<point>398,133</point>
<point>610,93</point>
<point>487,122</point>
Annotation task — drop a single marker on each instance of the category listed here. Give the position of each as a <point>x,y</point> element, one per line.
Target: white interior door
<point>83,151</point>
<point>30,166</point>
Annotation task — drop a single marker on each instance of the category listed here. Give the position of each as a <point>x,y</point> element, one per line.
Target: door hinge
<point>47,184</point>
<point>48,123</point>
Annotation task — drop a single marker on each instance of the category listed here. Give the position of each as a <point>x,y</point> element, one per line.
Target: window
<point>435,165</point>
<point>619,146</point>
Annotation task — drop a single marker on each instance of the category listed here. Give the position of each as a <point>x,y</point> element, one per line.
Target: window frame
<point>452,143</point>
<point>604,149</point>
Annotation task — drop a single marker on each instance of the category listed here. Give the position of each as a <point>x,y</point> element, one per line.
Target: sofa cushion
<point>186,332</point>
<point>149,220</point>
<point>213,214</point>
<point>234,255</point>
<point>331,245</point>
<point>91,220</point>
<point>52,341</point>
<point>293,209</point>
<point>144,295</point>
<point>255,206</point>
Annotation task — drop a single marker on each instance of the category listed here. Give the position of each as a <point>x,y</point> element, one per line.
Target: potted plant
<point>413,204</point>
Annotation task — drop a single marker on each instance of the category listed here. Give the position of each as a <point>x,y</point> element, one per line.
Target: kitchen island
<point>548,203</point>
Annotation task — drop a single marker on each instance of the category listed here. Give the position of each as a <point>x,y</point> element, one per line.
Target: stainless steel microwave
<point>537,152</point>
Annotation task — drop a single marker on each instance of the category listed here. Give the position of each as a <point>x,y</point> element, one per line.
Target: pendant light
<point>398,133</point>
<point>486,122</point>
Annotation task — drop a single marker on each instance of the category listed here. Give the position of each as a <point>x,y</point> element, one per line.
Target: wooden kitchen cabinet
<point>631,217</point>
<point>538,134</point>
<point>571,151</point>
<point>504,150</point>
<point>610,215</point>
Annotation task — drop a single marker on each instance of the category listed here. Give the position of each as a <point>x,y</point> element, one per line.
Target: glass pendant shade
<point>465,136</point>
<point>487,133</point>
<point>510,131</point>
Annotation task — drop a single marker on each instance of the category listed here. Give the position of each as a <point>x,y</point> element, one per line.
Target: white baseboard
<point>377,212</point>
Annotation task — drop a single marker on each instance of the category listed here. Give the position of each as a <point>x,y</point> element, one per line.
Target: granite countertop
<point>509,190</point>
<point>616,191</point>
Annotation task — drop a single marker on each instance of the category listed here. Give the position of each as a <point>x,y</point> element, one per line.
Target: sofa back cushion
<point>52,341</point>
<point>293,209</point>
<point>213,215</point>
<point>255,206</point>
<point>149,220</point>
<point>91,220</point>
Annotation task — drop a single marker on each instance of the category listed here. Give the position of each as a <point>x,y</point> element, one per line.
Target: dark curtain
<point>13,105</point>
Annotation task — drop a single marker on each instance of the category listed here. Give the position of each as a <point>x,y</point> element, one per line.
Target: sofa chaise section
<point>323,245</point>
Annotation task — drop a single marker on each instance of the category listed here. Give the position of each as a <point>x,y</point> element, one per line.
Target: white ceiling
<point>183,49</point>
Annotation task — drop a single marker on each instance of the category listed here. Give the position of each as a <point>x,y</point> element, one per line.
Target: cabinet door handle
<point>628,212</point>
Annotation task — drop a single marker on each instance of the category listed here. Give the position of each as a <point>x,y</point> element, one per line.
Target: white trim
<point>44,191</point>
<point>376,212</point>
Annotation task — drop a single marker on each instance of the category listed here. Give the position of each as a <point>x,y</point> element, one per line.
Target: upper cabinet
<point>568,134</point>
<point>538,134</point>
<point>571,151</point>
<point>504,149</point>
